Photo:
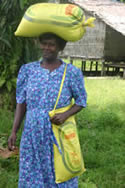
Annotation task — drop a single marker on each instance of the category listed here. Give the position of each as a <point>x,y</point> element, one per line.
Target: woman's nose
<point>46,46</point>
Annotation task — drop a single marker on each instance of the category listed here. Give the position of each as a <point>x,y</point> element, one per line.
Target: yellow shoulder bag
<point>69,163</point>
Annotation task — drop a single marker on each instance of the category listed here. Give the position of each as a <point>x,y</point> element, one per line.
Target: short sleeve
<point>21,85</point>
<point>78,88</point>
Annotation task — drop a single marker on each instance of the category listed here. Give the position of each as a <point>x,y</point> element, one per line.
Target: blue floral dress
<point>38,88</point>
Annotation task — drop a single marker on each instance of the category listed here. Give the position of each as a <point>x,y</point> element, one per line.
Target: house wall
<point>91,45</point>
<point>114,48</point>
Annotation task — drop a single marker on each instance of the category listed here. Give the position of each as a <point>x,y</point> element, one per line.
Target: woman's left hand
<point>59,118</point>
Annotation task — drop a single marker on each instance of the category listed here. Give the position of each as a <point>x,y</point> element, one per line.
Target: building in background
<point>107,39</point>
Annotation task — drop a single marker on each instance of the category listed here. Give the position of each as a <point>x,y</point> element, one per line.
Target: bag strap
<point>61,86</point>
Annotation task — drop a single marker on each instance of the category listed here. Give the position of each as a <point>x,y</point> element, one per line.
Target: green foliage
<point>14,51</point>
<point>9,173</point>
<point>123,1</point>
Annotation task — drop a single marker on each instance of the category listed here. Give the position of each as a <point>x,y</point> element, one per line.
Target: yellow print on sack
<point>69,142</point>
<point>69,9</point>
<point>70,136</point>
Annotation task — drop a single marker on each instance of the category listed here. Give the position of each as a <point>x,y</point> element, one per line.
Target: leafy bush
<point>14,51</point>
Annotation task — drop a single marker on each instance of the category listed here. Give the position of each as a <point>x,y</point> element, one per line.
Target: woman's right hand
<point>12,141</point>
<point>19,115</point>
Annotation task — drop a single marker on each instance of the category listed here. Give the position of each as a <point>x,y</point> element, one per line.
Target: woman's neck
<point>51,65</point>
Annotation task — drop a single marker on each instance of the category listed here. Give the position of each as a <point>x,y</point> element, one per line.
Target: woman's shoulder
<point>73,70</point>
<point>30,65</point>
<point>26,68</point>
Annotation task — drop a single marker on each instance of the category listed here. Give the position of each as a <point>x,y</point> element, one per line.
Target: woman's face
<point>50,48</point>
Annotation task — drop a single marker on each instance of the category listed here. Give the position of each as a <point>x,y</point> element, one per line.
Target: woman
<point>38,85</point>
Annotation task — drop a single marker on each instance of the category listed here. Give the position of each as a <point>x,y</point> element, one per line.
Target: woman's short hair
<point>61,42</point>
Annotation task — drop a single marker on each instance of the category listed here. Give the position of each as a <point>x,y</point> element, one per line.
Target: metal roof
<point>110,11</point>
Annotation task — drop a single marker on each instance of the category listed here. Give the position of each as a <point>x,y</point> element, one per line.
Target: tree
<point>14,51</point>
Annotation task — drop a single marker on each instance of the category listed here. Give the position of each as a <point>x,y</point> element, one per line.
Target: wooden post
<point>103,69</point>
<point>124,73</point>
<point>91,65</point>
<point>82,66</point>
<point>107,69</point>
<point>96,66</point>
<point>69,59</point>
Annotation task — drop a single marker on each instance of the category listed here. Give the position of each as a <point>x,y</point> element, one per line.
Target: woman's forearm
<point>19,115</point>
<point>60,118</point>
<point>73,110</point>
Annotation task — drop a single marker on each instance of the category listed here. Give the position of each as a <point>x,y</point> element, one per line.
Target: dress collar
<point>55,71</point>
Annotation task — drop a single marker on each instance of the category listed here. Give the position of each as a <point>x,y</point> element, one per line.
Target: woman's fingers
<point>55,121</point>
<point>58,119</point>
<point>11,142</point>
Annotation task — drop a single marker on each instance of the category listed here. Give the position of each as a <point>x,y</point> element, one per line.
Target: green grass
<point>102,136</point>
<point>102,133</point>
<point>8,167</point>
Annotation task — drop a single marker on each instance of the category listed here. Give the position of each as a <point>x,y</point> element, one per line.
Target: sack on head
<point>64,20</point>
